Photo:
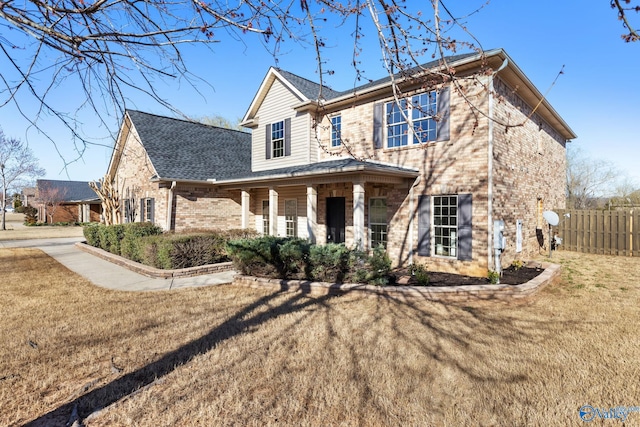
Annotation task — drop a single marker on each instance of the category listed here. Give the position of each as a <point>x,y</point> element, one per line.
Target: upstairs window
<point>412,121</point>
<point>397,126</point>
<point>422,114</point>
<point>336,131</point>
<point>277,139</point>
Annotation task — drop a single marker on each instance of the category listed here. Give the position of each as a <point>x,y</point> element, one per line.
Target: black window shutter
<point>378,134</point>
<point>287,137</point>
<point>424,226</point>
<point>465,240</point>
<point>152,203</point>
<point>267,134</point>
<point>142,212</point>
<point>444,109</point>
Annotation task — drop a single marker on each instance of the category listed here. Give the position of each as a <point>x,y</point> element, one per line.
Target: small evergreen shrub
<point>258,257</point>
<point>294,258</point>
<point>30,215</point>
<point>329,263</point>
<point>132,246</point>
<point>494,277</point>
<point>419,271</point>
<point>92,234</point>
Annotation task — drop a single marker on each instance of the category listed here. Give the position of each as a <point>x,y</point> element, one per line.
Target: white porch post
<point>312,212</point>
<point>273,211</point>
<point>358,215</point>
<point>246,202</point>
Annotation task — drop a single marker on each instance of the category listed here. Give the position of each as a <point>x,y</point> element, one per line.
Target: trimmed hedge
<point>292,258</point>
<point>145,243</point>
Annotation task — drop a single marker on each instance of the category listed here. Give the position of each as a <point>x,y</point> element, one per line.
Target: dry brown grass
<point>16,230</point>
<point>237,356</point>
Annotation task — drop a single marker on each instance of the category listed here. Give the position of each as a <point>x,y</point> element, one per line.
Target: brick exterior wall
<point>529,162</point>
<point>457,166</point>
<point>193,206</point>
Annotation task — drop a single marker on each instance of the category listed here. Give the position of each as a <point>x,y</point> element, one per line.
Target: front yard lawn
<point>228,355</point>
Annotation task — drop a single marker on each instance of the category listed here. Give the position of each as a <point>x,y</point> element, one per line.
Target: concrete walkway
<point>108,275</point>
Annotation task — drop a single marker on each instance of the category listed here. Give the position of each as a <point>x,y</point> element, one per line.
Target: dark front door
<point>335,219</point>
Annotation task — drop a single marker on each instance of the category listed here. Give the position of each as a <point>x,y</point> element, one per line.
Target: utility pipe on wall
<point>170,206</point>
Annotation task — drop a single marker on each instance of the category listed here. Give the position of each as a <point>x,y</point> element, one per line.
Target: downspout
<point>412,215</point>
<point>490,178</point>
<point>170,206</point>
<point>490,166</point>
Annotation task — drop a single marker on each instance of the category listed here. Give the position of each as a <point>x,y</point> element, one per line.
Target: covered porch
<point>361,204</point>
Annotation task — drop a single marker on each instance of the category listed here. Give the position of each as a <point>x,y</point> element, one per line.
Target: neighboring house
<point>162,170</point>
<point>64,201</point>
<point>426,176</point>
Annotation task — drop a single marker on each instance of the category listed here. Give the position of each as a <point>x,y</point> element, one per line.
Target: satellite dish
<point>552,218</point>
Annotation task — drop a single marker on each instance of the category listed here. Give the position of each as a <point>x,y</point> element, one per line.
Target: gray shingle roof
<point>70,191</point>
<point>311,90</point>
<point>308,88</point>
<point>180,149</point>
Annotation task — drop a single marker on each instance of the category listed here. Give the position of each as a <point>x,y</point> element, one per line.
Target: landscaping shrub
<point>258,257</point>
<point>419,271</point>
<point>294,258</point>
<point>131,246</point>
<point>92,234</point>
<point>30,215</point>
<point>190,251</point>
<point>330,262</point>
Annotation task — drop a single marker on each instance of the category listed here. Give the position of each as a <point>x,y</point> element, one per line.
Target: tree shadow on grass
<point>455,336</point>
<point>129,383</point>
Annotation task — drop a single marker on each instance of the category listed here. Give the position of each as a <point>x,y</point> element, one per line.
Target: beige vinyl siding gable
<point>277,106</point>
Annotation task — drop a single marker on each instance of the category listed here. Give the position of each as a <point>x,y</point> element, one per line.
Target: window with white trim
<point>265,217</point>
<point>336,131</point>
<point>445,225</point>
<point>413,120</point>
<point>378,222</point>
<point>291,217</point>
<point>277,139</point>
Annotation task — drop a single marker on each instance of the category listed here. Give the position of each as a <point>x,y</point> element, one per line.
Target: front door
<point>335,219</point>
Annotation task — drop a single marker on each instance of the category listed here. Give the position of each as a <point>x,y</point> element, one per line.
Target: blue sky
<point>597,95</point>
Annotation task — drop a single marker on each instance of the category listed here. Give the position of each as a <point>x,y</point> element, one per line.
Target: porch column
<point>273,211</point>
<point>312,212</point>
<point>358,215</point>
<point>246,202</point>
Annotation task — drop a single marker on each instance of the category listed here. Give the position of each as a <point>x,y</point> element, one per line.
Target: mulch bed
<point>510,276</point>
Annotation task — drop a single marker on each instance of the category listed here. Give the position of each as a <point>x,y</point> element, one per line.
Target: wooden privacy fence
<point>600,232</point>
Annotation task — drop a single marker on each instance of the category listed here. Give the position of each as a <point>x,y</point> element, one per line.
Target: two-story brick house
<point>425,173</point>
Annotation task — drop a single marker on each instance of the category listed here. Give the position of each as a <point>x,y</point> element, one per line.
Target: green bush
<point>132,246</point>
<point>330,262</point>
<point>294,258</point>
<point>258,257</point>
<point>494,277</point>
<point>419,271</point>
<point>30,215</point>
<point>92,234</point>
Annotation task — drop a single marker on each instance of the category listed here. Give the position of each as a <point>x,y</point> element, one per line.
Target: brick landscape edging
<point>551,274</point>
<point>156,273</point>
